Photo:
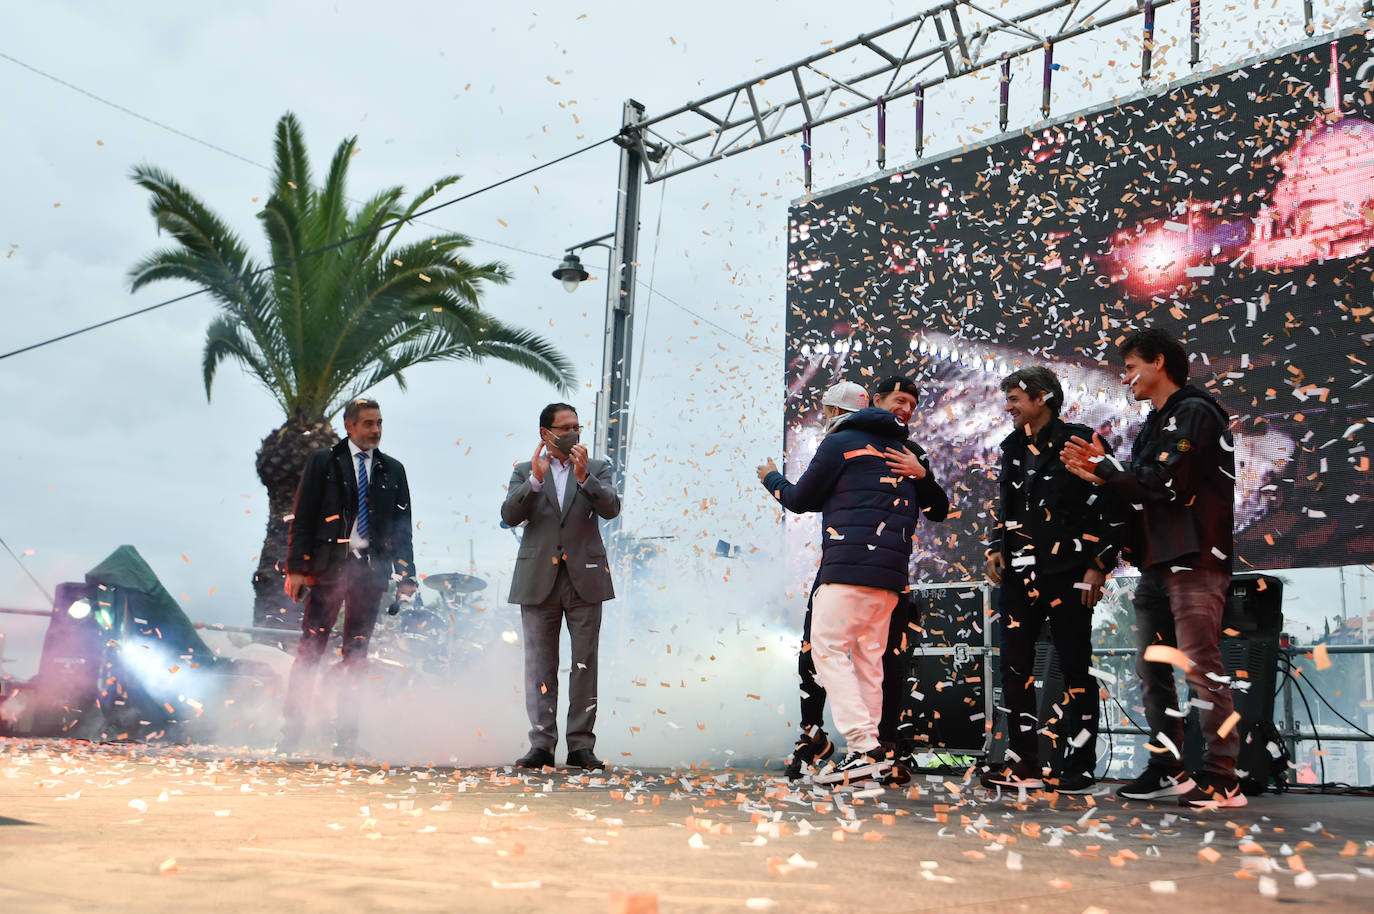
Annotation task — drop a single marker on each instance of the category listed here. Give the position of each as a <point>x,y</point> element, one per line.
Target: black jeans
<point>357,587</point>
<point>1027,600</point>
<point>1183,609</point>
<point>896,674</point>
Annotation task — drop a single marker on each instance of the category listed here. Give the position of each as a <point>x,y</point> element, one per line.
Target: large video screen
<point>1236,211</point>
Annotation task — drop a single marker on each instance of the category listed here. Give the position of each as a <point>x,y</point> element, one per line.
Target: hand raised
<point>1082,457</point>
<point>578,455</point>
<point>539,463</point>
<point>904,463</point>
<point>765,468</point>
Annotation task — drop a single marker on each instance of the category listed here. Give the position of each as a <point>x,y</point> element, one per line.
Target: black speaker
<point>951,669</point>
<point>1251,622</point>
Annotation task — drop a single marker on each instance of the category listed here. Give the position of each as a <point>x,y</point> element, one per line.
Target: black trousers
<point>896,673</point>
<point>1028,600</point>
<point>357,588</point>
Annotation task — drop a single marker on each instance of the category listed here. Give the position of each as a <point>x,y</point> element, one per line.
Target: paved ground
<point>86,827</point>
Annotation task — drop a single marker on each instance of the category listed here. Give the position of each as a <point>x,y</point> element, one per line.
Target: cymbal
<point>455,582</point>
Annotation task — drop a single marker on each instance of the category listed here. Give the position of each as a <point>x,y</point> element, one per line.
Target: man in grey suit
<point>561,570</point>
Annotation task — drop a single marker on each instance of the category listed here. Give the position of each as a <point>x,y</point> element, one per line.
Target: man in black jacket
<point>1181,482</point>
<point>1051,551</point>
<point>349,537</point>
<point>869,483</point>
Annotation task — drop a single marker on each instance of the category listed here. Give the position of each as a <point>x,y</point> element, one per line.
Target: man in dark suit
<point>559,495</point>
<point>349,537</point>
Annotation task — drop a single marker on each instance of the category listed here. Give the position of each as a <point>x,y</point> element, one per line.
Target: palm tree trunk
<point>280,462</point>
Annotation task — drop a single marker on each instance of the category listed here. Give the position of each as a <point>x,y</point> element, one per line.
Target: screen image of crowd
<point>1236,212</point>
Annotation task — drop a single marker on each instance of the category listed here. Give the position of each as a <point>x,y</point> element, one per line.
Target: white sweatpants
<point>849,621</point>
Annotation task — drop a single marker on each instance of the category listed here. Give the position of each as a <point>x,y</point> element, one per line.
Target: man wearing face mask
<point>561,571</point>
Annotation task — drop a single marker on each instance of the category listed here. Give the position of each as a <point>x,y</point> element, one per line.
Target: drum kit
<point>432,639</point>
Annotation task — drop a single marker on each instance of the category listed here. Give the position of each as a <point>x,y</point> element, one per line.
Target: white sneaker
<point>856,767</point>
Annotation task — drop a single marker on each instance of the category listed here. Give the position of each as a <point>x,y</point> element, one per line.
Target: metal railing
<point>1293,728</point>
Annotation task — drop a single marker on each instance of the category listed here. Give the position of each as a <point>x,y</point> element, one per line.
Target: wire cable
<point>216,147</point>
<point>52,601</point>
<point>307,254</point>
<point>1316,691</point>
<point>242,158</point>
<point>124,109</point>
<point>643,334</point>
<point>1311,719</point>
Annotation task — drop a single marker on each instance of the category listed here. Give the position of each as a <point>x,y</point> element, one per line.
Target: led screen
<point>1236,211</point>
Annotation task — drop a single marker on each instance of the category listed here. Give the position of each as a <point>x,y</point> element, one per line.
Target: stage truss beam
<point>905,58</point>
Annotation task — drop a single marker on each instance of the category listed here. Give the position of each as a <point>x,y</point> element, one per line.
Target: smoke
<point>697,666</point>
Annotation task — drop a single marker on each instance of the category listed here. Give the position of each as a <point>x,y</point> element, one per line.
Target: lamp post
<point>613,399</point>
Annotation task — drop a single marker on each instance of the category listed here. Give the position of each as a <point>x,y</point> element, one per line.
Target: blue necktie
<point>363,524</point>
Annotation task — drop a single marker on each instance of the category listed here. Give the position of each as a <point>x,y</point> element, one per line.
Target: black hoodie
<point>1181,481</point>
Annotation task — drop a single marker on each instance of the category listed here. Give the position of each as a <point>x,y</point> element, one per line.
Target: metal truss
<point>905,58</point>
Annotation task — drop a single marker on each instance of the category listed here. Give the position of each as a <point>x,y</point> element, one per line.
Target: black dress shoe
<point>583,758</point>
<point>536,758</point>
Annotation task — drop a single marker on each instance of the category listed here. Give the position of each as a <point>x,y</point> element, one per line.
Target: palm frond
<point>345,308</point>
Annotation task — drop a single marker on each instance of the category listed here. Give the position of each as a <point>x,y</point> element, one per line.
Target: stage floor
<point>128,827</point>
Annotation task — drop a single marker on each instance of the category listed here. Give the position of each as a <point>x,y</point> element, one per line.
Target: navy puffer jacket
<point>868,513</point>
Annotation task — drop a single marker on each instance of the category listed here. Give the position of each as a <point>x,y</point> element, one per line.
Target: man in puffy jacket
<point>870,484</point>
<point>1181,483</point>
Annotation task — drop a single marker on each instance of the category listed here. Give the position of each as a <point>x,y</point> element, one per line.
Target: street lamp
<point>570,272</point>
<point>612,400</point>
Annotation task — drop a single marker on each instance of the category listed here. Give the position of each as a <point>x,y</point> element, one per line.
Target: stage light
<point>570,272</point>
<point>161,673</point>
<point>79,609</point>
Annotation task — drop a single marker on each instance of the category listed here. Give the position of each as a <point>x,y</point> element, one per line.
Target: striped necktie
<point>363,520</point>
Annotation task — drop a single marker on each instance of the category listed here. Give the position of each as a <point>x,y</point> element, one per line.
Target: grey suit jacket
<point>561,534</point>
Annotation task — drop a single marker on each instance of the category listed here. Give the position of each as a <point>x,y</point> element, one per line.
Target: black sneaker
<point>1079,783</point>
<point>813,746</point>
<point>856,768</point>
<point>1214,791</point>
<point>898,775</point>
<point>899,769</point>
<point>1013,774</point>
<point>1156,783</point>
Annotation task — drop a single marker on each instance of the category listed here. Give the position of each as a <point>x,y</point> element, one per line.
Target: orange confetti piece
<point>1163,653</point>
<point>1321,658</point>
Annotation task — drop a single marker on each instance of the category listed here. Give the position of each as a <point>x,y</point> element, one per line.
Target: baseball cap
<point>847,396</point>
<point>896,383</point>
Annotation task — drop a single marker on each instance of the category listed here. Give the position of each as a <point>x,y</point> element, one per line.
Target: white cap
<point>847,396</point>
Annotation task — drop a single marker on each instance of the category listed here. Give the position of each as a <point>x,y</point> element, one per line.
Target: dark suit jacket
<point>568,534</point>
<point>327,504</point>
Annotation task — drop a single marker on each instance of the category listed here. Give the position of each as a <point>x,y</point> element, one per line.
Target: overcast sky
<point>111,438</point>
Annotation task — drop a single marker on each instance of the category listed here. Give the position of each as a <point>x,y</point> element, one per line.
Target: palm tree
<point>344,306</point>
